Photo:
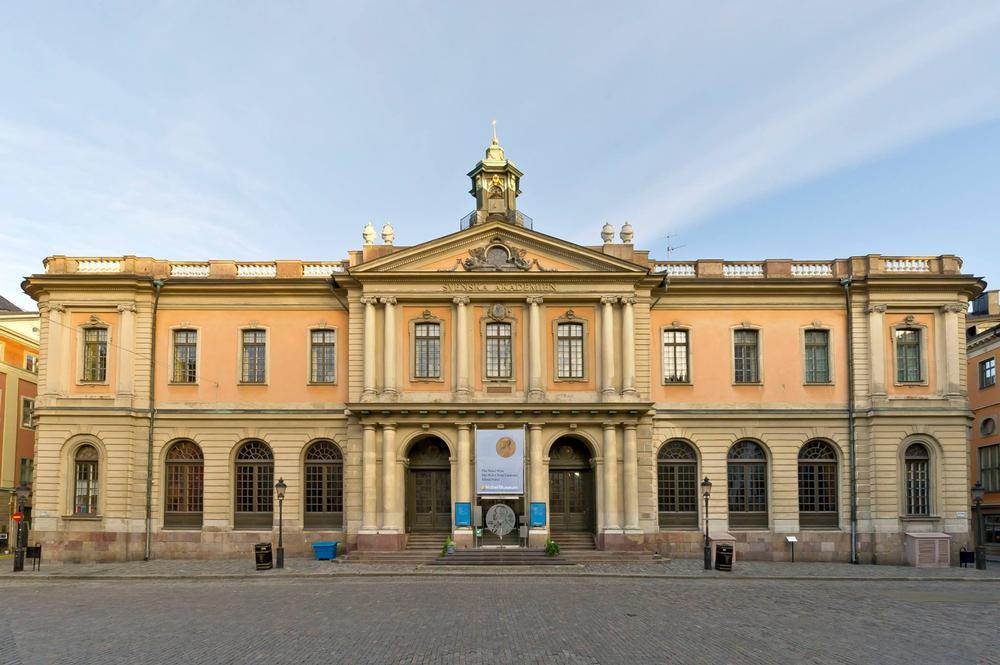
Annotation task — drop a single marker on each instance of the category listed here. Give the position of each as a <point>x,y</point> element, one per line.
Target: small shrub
<point>444,548</point>
<point>551,547</point>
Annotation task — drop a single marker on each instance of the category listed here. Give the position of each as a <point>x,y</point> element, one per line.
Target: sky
<point>249,130</point>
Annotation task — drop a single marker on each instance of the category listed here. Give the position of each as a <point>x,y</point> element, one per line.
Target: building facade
<point>984,398</point>
<point>19,355</point>
<point>823,399</point>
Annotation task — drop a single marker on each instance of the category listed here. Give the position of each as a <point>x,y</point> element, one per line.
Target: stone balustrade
<point>855,266</point>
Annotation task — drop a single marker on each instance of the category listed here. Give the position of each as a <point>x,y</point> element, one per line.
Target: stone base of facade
<point>623,541</point>
<point>381,542</point>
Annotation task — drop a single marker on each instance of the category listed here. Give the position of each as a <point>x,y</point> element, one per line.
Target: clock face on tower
<point>506,447</point>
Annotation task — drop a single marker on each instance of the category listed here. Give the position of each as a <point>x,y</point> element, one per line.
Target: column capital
<point>955,308</point>
<point>535,300</point>
<point>388,300</point>
<point>368,300</point>
<point>609,300</point>
<point>877,309</point>
<point>461,300</point>
<point>127,307</point>
<point>607,425</point>
<point>628,300</point>
<point>391,427</point>
<point>51,307</point>
<point>629,426</point>
<point>463,427</point>
<point>534,427</point>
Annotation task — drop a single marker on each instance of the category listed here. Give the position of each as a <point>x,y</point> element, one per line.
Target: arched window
<point>185,486</point>
<point>747,486</point>
<point>677,485</point>
<point>817,486</point>
<point>324,474</point>
<point>85,468</point>
<point>254,486</point>
<point>918,479</point>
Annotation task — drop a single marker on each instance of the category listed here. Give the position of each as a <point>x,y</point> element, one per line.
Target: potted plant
<point>448,547</point>
<point>551,547</point>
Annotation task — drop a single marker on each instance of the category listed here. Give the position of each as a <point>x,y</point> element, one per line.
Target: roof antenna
<point>671,248</point>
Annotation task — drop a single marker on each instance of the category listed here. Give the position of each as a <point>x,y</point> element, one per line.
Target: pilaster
<point>390,380</point>
<point>368,380</point>
<point>535,370</point>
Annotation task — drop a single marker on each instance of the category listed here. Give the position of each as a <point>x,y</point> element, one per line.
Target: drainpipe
<point>157,286</point>
<point>846,283</point>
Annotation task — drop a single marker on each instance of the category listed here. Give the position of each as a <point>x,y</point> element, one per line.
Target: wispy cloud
<point>893,85</point>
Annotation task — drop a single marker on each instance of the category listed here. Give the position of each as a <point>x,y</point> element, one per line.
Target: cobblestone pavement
<point>298,567</point>
<point>462,621</point>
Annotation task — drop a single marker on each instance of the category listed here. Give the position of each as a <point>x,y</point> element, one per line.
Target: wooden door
<point>571,500</point>
<point>430,500</point>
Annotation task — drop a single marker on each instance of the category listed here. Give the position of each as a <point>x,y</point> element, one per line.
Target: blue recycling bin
<point>325,550</point>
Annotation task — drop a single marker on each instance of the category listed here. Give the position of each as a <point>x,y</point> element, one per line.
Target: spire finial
<point>494,123</point>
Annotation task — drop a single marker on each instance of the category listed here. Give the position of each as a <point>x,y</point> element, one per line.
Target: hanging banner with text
<point>500,461</point>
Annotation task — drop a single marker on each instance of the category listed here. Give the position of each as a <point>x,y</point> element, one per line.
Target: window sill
<point>425,379</point>
<point>195,529</point>
<point>251,383</point>
<point>678,383</point>
<point>919,518</point>
<point>488,381</point>
<point>83,518</point>
<point>910,384</point>
<point>93,383</point>
<point>737,384</point>
<point>312,383</point>
<point>182,383</point>
<point>568,380</point>
<point>817,383</point>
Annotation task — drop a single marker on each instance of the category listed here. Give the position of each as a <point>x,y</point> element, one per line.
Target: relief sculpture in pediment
<point>497,256</point>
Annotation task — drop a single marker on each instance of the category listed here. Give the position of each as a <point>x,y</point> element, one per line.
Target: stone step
<point>500,558</point>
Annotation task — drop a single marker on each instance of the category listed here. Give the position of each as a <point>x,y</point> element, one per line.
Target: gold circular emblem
<point>506,447</point>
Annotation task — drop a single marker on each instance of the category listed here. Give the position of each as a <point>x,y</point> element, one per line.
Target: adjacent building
<point>824,399</point>
<point>19,356</point>
<point>984,398</point>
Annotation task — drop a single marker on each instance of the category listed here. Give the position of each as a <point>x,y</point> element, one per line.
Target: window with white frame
<point>427,350</point>
<point>676,356</point>
<point>85,469</point>
<point>988,372</point>
<point>31,362</point>
<point>908,356</point>
<point>569,350</point>
<point>27,413</point>
<point>989,467</point>
<point>499,350</point>
<point>917,461</point>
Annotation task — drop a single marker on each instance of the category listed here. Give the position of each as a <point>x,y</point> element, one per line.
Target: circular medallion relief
<point>506,447</point>
<point>500,519</point>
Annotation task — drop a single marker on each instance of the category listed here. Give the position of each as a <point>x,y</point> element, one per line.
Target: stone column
<point>953,356</point>
<point>368,380</point>
<point>54,365</point>
<point>463,481</point>
<point>369,523</point>
<point>535,371</point>
<point>392,514</point>
<point>539,484</point>
<point>630,470</point>
<point>389,380</point>
<point>126,350</point>
<point>462,385</point>
<point>628,345</point>
<point>876,347</point>
<point>607,345</point>
<point>612,516</point>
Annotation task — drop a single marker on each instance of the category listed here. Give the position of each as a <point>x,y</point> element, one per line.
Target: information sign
<point>463,514</point>
<point>500,461</point>
<point>538,514</point>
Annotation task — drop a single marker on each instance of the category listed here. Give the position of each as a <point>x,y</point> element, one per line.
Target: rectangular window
<point>427,350</point>
<point>745,350</point>
<point>989,467</point>
<point>908,368</point>
<point>817,356</point>
<point>569,350</point>
<point>323,356</point>
<point>185,356</point>
<point>254,354</point>
<point>26,467</point>
<point>27,413</point>
<point>676,357</point>
<point>499,351</point>
<point>988,373</point>
<point>31,362</point>
<point>95,354</point>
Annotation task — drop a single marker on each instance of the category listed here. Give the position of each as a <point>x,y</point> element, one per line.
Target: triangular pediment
<point>497,247</point>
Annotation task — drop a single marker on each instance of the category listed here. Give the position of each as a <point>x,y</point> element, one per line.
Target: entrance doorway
<point>572,499</point>
<point>428,487</point>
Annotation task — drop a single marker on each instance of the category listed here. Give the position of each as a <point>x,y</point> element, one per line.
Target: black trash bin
<point>723,556</point>
<point>262,553</point>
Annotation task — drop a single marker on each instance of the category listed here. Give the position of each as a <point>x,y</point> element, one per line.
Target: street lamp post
<point>978,492</point>
<point>21,538</point>
<point>279,488</point>
<point>706,490</point>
